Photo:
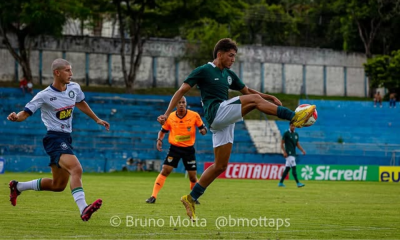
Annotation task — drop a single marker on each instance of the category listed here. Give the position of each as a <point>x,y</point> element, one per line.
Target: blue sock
<point>285,113</point>
<point>197,191</point>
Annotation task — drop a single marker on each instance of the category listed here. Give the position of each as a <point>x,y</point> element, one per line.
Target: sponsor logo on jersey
<point>64,146</point>
<point>53,99</point>
<point>216,79</point>
<point>64,114</point>
<point>229,80</point>
<point>71,94</point>
<point>189,128</point>
<point>179,138</point>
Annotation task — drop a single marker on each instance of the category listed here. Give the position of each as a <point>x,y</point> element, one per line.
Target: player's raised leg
<point>254,101</point>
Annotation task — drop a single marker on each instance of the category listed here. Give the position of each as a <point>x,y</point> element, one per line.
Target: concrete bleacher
<point>132,134</point>
<point>353,128</point>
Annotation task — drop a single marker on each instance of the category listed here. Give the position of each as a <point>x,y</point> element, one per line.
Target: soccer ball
<point>312,119</point>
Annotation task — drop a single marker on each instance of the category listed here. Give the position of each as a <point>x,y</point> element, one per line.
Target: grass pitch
<point>230,209</point>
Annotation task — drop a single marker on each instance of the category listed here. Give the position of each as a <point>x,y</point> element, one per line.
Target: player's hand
<point>13,117</point>
<point>285,155</point>
<point>159,145</point>
<point>161,119</point>
<point>304,152</point>
<point>203,131</point>
<point>276,101</point>
<point>104,123</point>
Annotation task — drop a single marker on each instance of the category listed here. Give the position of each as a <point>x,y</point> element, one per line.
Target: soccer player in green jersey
<point>214,79</point>
<point>290,140</point>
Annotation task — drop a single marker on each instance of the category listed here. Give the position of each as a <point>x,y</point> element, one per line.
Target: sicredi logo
<point>389,174</point>
<point>334,173</point>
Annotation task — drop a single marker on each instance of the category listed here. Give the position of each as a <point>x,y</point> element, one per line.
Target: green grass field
<point>321,210</point>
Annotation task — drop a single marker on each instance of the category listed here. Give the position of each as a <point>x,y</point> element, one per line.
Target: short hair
<point>59,63</point>
<point>224,45</point>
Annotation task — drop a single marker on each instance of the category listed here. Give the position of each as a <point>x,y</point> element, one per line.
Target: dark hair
<point>224,45</point>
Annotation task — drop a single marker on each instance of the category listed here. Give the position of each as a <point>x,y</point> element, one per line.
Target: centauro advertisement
<point>251,171</point>
<point>337,172</point>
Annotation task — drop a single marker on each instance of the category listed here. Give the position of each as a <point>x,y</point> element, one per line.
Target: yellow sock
<point>158,184</point>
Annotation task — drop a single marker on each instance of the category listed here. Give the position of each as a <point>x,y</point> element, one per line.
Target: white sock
<point>79,197</point>
<point>31,185</point>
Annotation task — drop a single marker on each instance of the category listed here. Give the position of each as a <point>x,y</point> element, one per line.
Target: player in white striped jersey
<point>57,104</point>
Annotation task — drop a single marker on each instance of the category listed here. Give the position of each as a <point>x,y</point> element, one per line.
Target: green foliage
<point>34,18</point>
<point>383,71</point>
<point>202,39</point>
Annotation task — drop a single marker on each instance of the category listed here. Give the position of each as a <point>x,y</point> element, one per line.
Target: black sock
<point>285,173</point>
<point>285,113</point>
<point>294,173</point>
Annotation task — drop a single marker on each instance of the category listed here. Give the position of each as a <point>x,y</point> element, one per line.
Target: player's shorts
<point>188,155</point>
<point>290,161</point>
<point>57,143</point>
<point>223,126</point>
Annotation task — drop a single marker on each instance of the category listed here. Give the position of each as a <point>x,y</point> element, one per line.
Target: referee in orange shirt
<point>182,127</point>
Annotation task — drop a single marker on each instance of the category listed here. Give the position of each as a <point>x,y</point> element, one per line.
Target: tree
<point>368,17</point>
<point>131,17</point>
<point>202,39</point>
<point>383,71</point>
<point>23,20</point>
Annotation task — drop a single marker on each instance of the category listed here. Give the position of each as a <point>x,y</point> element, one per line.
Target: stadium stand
<point>352,128</point>
<point>347,132</point>
<point>132,135</point>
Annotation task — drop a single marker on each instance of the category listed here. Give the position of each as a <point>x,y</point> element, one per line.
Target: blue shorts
<point>57,143</point>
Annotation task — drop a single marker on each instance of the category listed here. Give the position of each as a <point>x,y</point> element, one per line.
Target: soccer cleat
<point>151,200</point>
<point>197,202</point>
<point>302,116</point>
<point>90,209</point>
<point>281,185</point>
<point>189,203</point>
<point>14,193</point>
<point>299,185</point>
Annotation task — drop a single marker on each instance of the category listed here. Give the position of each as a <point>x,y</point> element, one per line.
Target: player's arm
<point>283,148</point>
<point>160,137</point>
<point>301,148</point>
<point>174,101</point>
<point>18,117</point>
<point>246,91</point>
<point>84,107</point>
<point>202,129</point>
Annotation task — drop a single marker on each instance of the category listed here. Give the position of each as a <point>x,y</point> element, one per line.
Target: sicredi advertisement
<point>337,172</point>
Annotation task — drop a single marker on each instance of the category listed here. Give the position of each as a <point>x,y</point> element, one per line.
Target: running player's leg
<point>192,178</point>
<point>189,161</point>
<point>221,155</point>
<point>159,183</point>
<point>72,165</point>
<point>255,101</point>
<point>286,172</point>
<point>55,184</point>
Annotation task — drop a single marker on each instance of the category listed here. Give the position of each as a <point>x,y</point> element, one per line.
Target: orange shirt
<point>182,130</point>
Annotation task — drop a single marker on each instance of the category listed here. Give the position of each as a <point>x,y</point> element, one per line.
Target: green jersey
<point>291,139</point>
<point>214,85</point>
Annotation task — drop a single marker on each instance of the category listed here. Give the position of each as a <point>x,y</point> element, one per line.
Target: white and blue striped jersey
<point>56,106</point>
